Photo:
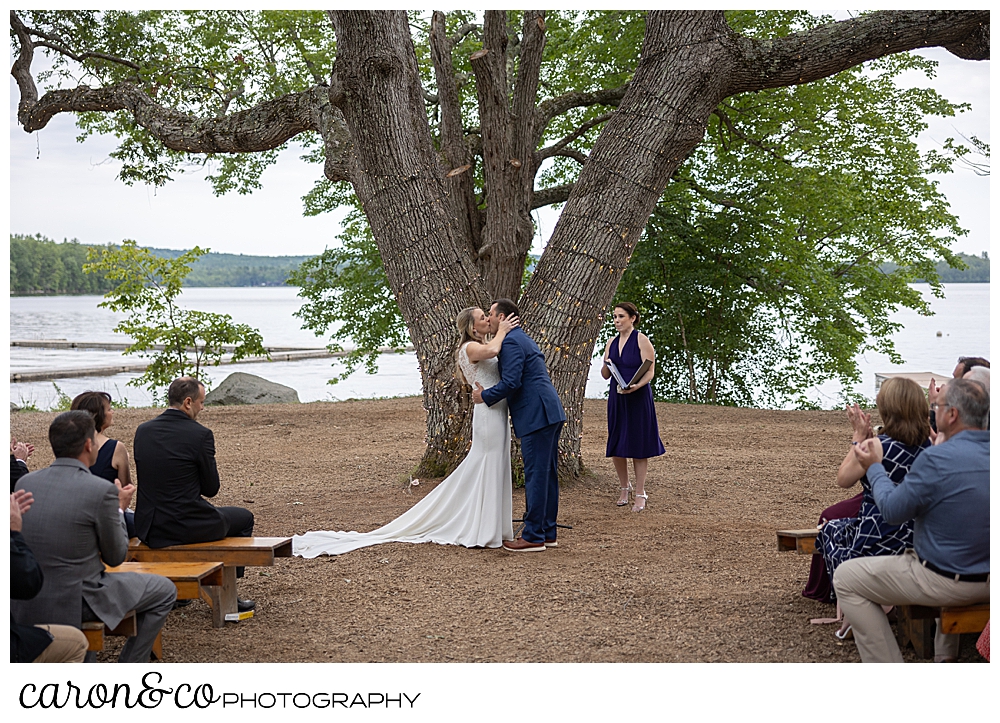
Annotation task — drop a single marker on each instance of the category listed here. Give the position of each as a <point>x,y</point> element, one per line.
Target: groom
<point>538,417</point>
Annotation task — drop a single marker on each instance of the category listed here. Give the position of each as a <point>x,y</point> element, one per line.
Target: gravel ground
<point>695,578</point>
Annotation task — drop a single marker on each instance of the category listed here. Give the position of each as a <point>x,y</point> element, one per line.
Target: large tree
<point>448,205</point>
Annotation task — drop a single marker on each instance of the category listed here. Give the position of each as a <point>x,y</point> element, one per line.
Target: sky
<point>65,190</point>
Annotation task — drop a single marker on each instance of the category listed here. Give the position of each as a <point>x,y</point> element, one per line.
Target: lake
<point>962,319</point>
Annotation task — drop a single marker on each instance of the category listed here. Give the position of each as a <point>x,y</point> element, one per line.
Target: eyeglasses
<point>936,406</point>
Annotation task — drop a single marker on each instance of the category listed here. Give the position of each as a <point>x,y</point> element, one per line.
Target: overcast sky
<point>64,189</point>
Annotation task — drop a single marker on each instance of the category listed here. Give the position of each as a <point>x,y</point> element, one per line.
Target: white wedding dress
<point>471,507</point>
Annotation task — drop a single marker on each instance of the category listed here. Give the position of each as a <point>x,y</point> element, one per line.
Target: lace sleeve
<point>469,370</point>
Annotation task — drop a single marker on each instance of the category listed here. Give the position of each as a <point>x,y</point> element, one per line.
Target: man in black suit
<point>175,467</point>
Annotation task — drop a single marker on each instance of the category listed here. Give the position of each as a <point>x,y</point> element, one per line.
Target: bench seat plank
<point>801,541</point>
<point>188,577</point>
<point>231,551</point>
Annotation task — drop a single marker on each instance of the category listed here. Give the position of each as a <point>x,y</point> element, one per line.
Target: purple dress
<point>632,428</point>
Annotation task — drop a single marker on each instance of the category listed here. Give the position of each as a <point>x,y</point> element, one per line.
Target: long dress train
<point>471,507</point>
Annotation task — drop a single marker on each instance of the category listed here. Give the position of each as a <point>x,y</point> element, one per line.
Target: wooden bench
<point>232,552</point>
<point>193,580</point>
<point>915,624</point>
<point>95,632</point>
<point>802,541</point>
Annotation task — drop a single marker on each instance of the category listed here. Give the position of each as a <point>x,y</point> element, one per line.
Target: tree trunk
<point>659,121</point>
<point>407,199</point>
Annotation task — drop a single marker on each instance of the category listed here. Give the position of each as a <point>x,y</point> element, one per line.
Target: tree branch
<point>85,55</point>
<point>526,85</point>
<point>21,70</point>
<point>548,196</point>
<point>555,148</point>
<point>557,106</point>
<point>827,50</point>
<point>261,128</point>
<point>54,42</point>
<point>576,155</point>
<point>453,146</point>
<point>452,141</point>
<point>461,33</point>
<point>734,131</point>
<point>706,193</point>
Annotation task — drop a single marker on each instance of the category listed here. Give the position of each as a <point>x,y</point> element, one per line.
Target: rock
<point>240,388</point>
<point>14,407</point>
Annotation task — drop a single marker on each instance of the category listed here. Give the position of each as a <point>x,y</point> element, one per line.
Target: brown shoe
<point>521,545</point>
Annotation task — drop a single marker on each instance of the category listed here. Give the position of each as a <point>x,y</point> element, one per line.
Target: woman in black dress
<point>112,457</point>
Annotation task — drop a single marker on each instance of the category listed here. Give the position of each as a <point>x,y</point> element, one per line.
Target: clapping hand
<point>20,502</point>
<point>860,422</point>
<point>21,450</point>
<point>868,452</point>
<point>477,393</point>
<point>933,390</point>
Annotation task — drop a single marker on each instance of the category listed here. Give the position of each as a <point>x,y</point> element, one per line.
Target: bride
<point>472,506</point>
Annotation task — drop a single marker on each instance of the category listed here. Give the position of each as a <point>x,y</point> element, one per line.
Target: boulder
<point>240,388</point>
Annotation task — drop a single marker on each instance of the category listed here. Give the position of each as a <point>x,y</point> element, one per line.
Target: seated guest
<point>903,408</point>
<point>968,363</point>
<point>19,453</point>
<point>76,527</point>
<point>175,466</point>
<point>947,495</point>
<point>979,374</point>
<point>965,365</point>
<point>112,457</point>
<point>35,643</point>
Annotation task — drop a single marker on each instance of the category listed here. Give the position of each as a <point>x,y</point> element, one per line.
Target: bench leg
<point>212,594</point>
<point>228,590</point>
<point>158,647</point>
<point>919,632</point>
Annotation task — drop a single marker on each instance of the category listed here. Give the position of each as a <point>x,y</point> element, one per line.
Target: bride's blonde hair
<point>465,322</point>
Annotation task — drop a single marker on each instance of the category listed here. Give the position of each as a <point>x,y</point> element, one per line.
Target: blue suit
<point>537,415</point>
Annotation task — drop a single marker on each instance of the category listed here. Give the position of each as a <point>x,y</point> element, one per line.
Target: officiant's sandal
<point>626,492</point>
<point>640,506</point>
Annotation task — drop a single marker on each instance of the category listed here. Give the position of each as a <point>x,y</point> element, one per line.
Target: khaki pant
<point>866,583</point>
<point>68,645</point>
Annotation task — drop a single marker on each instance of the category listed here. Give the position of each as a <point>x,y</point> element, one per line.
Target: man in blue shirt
<point>947,495</point>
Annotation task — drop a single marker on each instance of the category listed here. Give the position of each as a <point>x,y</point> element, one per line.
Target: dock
<point>276,354</point>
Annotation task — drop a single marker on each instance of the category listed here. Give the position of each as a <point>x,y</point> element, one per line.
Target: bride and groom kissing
<point>472,506</point>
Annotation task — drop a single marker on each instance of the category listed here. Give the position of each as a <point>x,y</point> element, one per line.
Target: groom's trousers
<point>540,450</point>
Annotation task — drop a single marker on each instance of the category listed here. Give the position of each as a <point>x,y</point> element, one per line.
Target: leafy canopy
<point>763,270</point>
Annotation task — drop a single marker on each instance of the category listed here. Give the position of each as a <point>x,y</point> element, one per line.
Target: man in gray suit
<point>76,525</point>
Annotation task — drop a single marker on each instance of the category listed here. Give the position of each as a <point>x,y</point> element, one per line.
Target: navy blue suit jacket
<point>524,382</point>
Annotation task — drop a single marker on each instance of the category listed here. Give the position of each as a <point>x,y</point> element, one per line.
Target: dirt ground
<point>695,578</point>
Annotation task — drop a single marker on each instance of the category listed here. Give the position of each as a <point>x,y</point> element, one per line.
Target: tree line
<point>39,265</point>
<point>974,270</point>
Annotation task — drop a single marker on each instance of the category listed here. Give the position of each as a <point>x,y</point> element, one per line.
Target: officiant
<point>630,362</point>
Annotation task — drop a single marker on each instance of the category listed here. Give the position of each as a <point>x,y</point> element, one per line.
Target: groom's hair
<point>507,307</point>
